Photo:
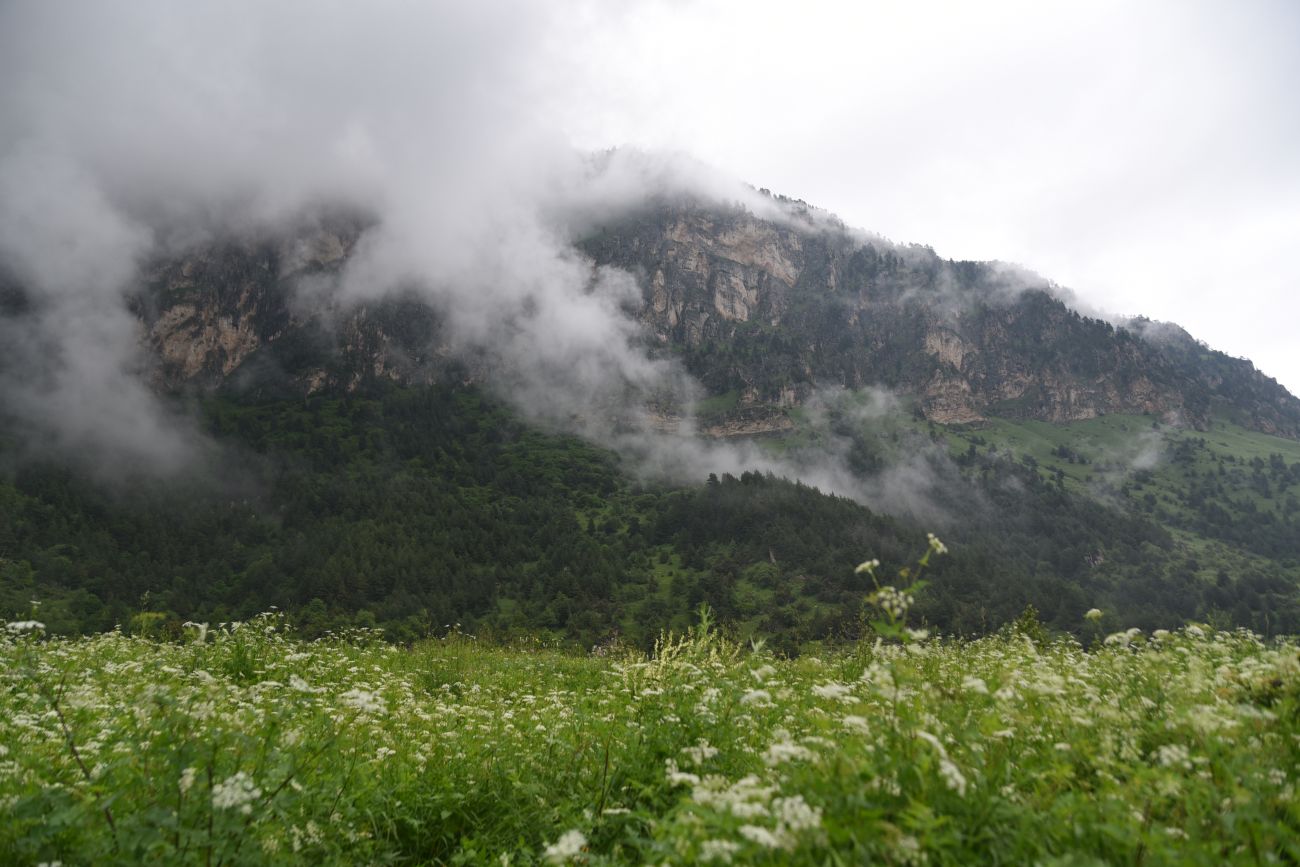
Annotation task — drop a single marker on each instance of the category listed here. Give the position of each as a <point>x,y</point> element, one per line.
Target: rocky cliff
<point>262,313</point>
<point>777,310</point>
<point>769,309</point>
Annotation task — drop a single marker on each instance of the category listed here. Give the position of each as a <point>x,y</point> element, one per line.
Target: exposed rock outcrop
<point>772,310</point>
<point>777,310</point>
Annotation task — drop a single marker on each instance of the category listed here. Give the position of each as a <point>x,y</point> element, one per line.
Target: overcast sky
<point>1144,154</point>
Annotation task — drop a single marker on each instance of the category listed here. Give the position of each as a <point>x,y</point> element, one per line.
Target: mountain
<point>771,310</point>
<point>372,469</point>
<point>775,311</point>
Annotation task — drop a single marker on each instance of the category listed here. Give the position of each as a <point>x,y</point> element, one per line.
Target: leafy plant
<point>893,602</point>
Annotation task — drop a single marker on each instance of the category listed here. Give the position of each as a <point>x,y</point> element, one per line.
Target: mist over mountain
<point>374,337</point>
<point>423,440</point>
<point>430,168</point>
<point>640,291</point>
<point>355,441</point>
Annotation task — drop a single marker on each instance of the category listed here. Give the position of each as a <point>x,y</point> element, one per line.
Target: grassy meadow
<point>245,745</point>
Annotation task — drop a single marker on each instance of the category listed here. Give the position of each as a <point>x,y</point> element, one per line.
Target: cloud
<point>852,446</point>
<point>69,368</point>
<point>1139,153</point>
<point>150,127</point>
<point>141,128</point>
<point>146,127</point>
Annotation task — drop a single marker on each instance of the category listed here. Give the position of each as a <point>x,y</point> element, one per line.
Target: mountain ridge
<point>773,310</point>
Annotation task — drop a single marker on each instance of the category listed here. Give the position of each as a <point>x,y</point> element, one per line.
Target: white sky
<point>1145,155</point>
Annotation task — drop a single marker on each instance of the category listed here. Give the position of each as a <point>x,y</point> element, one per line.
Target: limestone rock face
<point>776,310</point>
<point>263,308</point>
<point>703,271</point>
<point>192,340</point>
<point>754,421</point>
<point>209,310</point>
<point>947,346</point>
<point>770,309</point>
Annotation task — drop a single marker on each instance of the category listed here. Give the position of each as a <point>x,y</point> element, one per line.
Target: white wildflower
<point>187,778</point>
<point>909,850</point>
<point>569,846</point>
<point>677,777</point>
<point>935,545</point>
<point>700,752</point>
<point>869,566</point>
<point>20,626</point>
<point>236,792</point>
<point>760,697</point>
<point>934,742</point>
<point>762,836</point>
<point>795,814</point>
<point>975,685</point>
<point>785,751</point>
<point>202,630</point>
<point>855,723</point>
<point>296,682</point>
<point>835,691</point>
<point>363,700</point>
<point>1174,756</point>
<point>1093,614</point>
<point>892,601</point>
<point>718,850</point>
<point>745,799</point>
<point>952,776</point>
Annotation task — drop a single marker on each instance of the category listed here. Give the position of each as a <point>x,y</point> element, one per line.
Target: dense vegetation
<point>418,508</point>
<point>242,746</point>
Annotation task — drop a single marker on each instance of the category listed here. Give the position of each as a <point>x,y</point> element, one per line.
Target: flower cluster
<point>999,750</point>
<point>237,792</point>
<point>892,601</point>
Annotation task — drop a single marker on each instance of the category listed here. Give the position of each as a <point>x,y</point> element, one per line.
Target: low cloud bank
<point>134,131</point>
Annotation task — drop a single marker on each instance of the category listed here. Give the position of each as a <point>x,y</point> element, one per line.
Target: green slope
<point>1224,498</point>
<point>417,508</point>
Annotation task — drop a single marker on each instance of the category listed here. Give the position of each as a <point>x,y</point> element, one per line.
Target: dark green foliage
<point>418,508</point>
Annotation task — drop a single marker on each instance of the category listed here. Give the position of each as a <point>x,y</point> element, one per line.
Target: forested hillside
<point>416,508</point>
<point>365,464</point>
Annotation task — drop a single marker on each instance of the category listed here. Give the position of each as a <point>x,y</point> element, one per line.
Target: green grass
<point>1217,491</point>
<point>252,747</point>
<point>717,404</point>
<point>1113,444</point>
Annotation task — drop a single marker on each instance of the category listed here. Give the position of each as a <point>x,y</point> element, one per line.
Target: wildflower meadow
<point>245,745</point>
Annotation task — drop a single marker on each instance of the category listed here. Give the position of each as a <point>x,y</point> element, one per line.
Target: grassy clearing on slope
<point>246,746</point>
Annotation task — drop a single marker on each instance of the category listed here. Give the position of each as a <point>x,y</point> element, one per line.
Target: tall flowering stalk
<point>894,601</point>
